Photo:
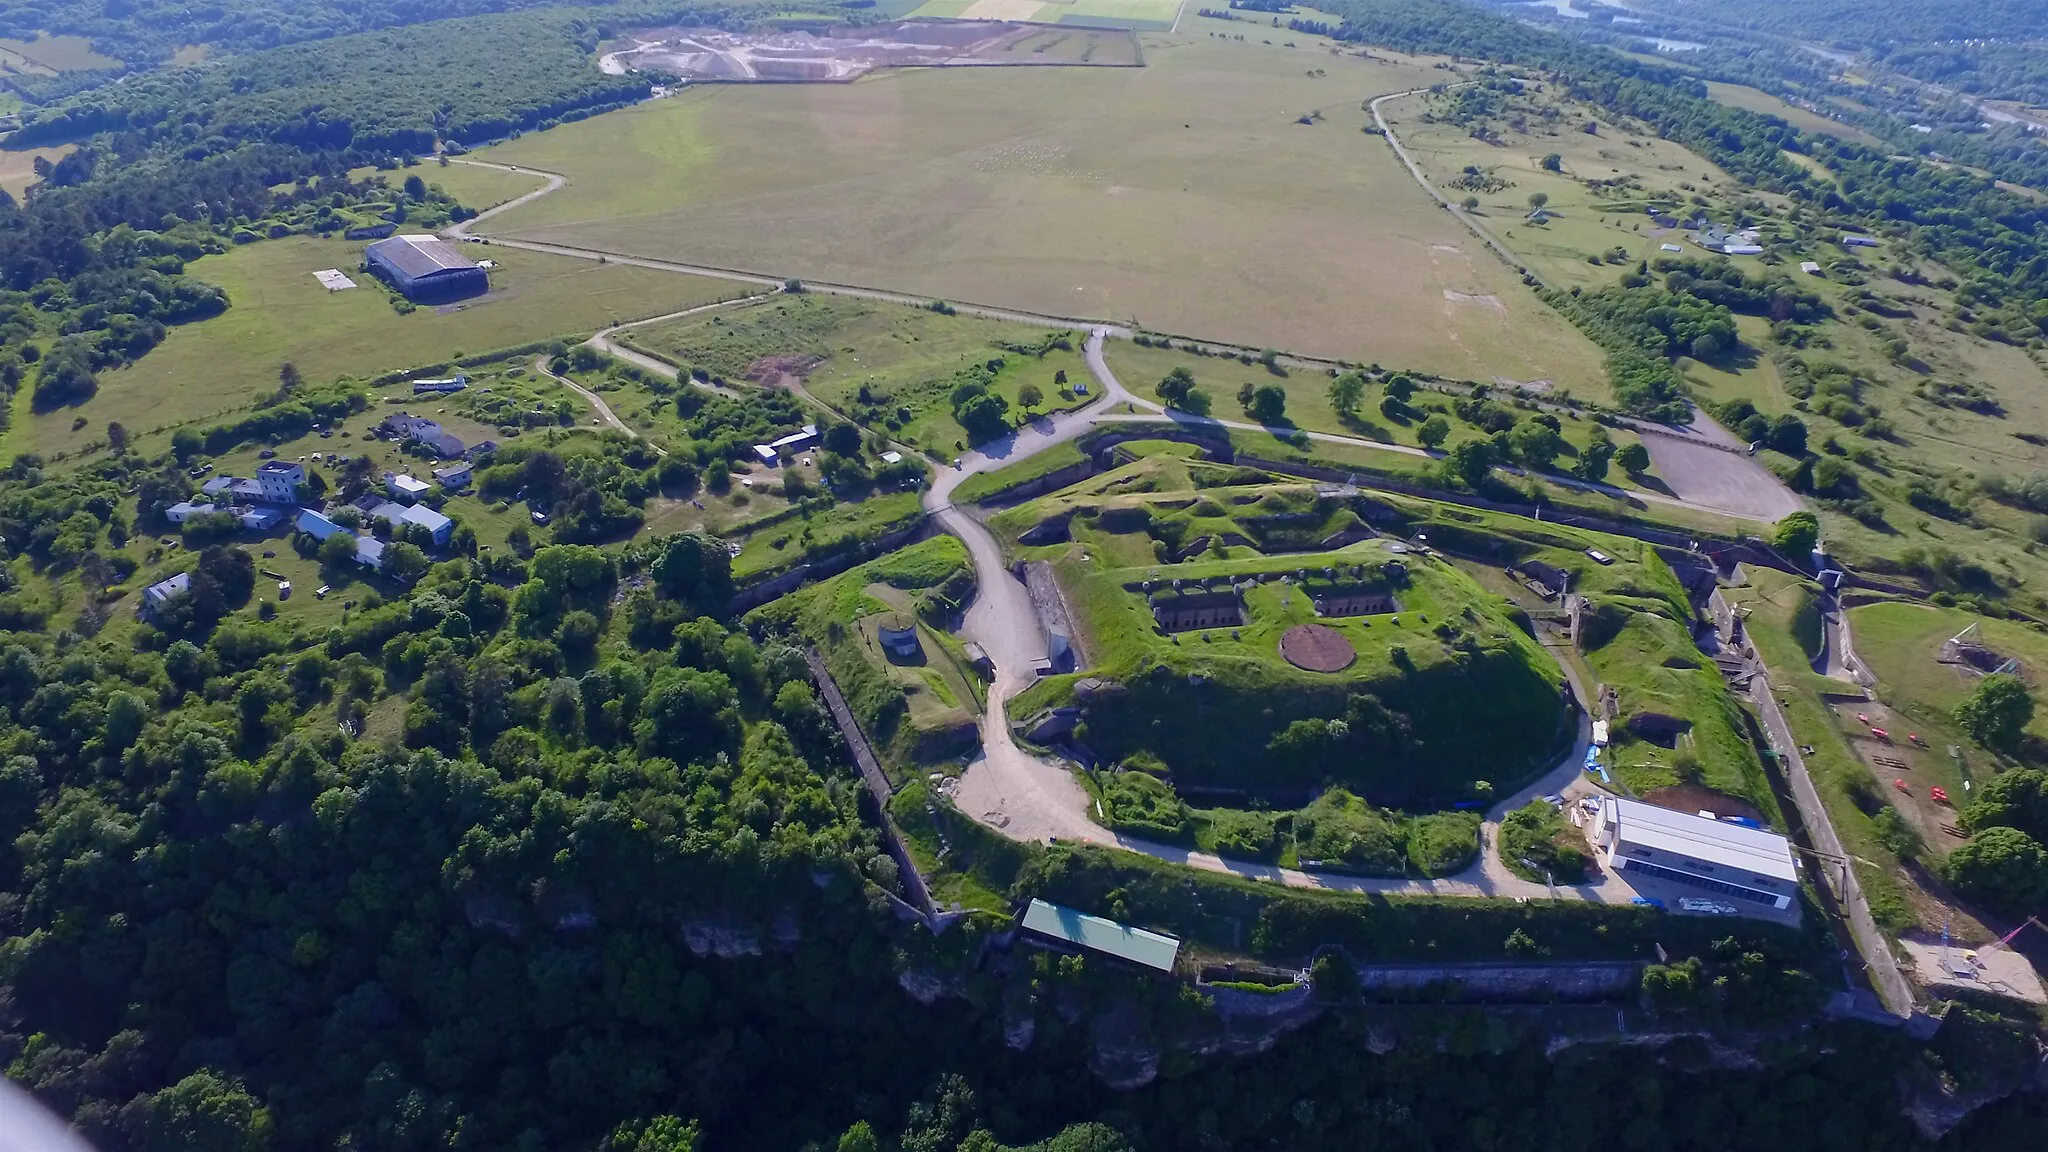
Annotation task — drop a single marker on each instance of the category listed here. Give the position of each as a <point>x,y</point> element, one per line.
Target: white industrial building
<point>1697,851</point>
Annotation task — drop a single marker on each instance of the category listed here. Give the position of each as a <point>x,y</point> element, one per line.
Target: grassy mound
<point>1446,691</point>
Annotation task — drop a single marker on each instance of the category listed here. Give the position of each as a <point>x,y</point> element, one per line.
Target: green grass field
<point>1742,96</point>
<point>903,358</point>
<point>50,55</point>
<point>1182,196</point>
<point>280,314</point>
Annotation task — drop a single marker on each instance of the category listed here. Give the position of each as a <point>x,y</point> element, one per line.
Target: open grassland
<point>892,366</point>
<point>1580,222</point>
<point>1742,96</point>
<point>1309,407</point>
<point>50,55</point>
<point>479,187</point>
<point>1901,643</point>
<point>280,314</point>
<point>1183,197</point>
<point>18,166</point>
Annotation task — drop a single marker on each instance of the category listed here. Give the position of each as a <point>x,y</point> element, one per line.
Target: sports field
<point>279,313</point>
<point>1139,15</point>
<point>1182,197</point>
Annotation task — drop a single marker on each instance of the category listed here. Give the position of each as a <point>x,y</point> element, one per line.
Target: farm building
<point>1851,240</point>
<point>1745,863</point>
<point>184,510</point>
<point>452,476</point>
<point>425,268</point>
<point>1065,930</point>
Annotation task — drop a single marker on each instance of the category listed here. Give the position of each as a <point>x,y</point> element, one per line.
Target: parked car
<point>1648,902</point>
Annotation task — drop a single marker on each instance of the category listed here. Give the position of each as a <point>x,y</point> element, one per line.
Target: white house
<point>406,487</point>
<point>184,510</point>
<point>1746,863</point>
<point>453,476</point>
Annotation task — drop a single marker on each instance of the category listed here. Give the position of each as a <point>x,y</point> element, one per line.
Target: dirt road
<point>1027,798</point>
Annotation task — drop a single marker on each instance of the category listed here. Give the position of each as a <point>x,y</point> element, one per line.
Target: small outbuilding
<point>164,593</point>
<point>897,632</point>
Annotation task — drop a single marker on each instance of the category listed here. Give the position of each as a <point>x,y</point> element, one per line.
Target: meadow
<point>280,314</point>
<point>1185,196</point>
<point>878,361</point>
<point>1581,223</point>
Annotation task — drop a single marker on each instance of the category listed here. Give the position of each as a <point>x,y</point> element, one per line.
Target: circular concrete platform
<point>1316,648</point>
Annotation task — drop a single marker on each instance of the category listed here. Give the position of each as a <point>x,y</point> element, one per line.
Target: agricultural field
<point>891,367</point>
<point>1743,96</point>
<point>18,165</point>
<point>280,314</point>
<point>1138,15</point>
<point>1086,192</point>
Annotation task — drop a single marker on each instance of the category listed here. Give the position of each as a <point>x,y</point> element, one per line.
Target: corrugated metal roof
<point>418,255</point>
<point>1099,935</point>
<point>1714,841</point>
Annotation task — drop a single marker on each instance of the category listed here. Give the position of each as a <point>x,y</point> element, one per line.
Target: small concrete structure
<point>1355,601</point>
<point>185,510</point>
<point>898,635</point>
<point>1186,611</point>
<point>164,593</point>
<point>1810,267</point>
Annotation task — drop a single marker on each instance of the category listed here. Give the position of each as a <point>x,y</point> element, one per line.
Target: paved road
<point>1882,966</point>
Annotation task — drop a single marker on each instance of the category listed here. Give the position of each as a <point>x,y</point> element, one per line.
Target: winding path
<point>1027,798</point>
<point>1005,786</point>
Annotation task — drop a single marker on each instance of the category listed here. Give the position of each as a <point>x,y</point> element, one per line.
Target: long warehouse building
<point>426,268</point>
<point>1714,855</point>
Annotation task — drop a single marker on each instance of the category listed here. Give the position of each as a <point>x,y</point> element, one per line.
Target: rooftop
<point>420,255</point>
<point>1714,841</point>
<point>1099,935</point>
